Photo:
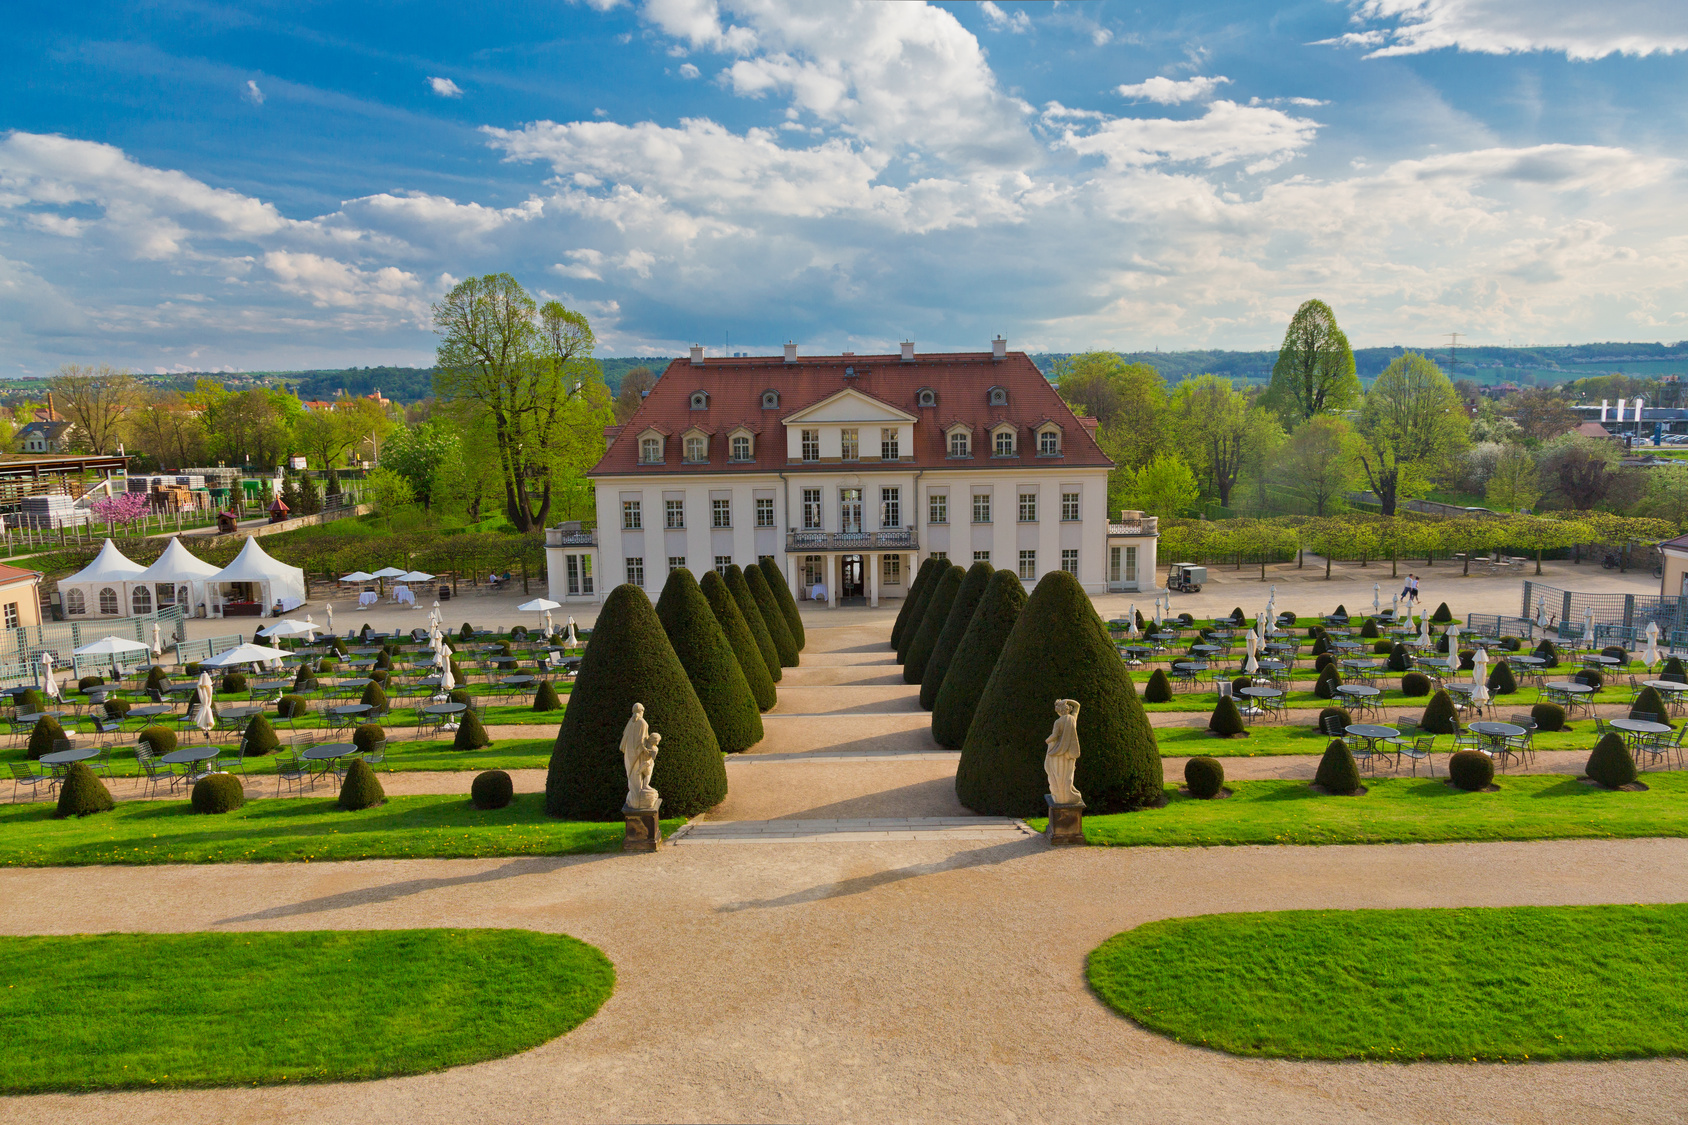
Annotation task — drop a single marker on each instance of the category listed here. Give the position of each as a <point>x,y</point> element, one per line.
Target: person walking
<point>1407,592</point>
<point>1412,590</point>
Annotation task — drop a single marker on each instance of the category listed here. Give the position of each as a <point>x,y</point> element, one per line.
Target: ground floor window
<point>1113,564</point>
<point>941,555</point>
<point>11,615</point>
<point>676,562</point>
<point>1069,562</point>
<point>891,570</point>
<point>814,570</point>
<point>722,562</point>
<point>636,572</point>
<point>579,568</point>
<point>1028,565</point>
<point>982,556</point>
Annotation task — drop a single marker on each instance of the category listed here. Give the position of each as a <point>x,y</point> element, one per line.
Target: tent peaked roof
<point>110,565</point>
<point>253,564</point>
<point>177,564</point>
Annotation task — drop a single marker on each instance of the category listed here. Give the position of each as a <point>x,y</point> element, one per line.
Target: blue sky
<point>199,186</point>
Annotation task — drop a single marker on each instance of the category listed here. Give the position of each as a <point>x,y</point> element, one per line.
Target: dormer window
<point>998,396</point>
<point>1049,443</point>
<point>960,444</point>
<point>926,396</point>
<point>697,448</point>
<point>741,447</point>
<point>1003,443</point>
<point>650,450</point>
<point>700,400</point>
<point>770,400</point>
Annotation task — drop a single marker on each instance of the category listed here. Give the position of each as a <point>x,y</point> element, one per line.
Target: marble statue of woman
<point>632,749</point>
<point>1061,758</point>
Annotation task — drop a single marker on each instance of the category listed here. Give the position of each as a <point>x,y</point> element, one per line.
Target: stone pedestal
<point>644,829</point>
<point>1066,822</point>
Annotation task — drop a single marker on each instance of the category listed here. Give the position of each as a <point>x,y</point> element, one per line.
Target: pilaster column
<point>872,564</point>
<point>832,576</point>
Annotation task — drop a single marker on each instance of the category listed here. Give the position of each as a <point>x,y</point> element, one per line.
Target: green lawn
<point>1490,983</point>
<point>126,1011</point>
<point>402,757</point>
<point>1267,740</point>
<point>298,828</point>
<point>1402,810</point>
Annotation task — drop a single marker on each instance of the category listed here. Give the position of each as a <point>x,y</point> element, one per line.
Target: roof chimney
<point>999,349</point>
<point>908,351</point>
<point>697,355</point>
<point>790,352</point>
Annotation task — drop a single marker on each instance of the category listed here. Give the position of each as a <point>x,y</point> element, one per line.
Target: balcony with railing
<point>570,533</point>
<point>1133,523</point>
<point>891,539</point>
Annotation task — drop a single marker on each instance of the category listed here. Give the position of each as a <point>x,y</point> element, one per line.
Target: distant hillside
<point>401,384</point>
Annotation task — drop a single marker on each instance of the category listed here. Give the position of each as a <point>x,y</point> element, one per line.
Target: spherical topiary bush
<point>545,697</point>
<point>921,578</point>
<point>303,681</point>
<point>1340,714</point>
<point>1591,677</point>
<point>1186,619</point>
<point>1442,615</point>
<point>1549,652</point>
<point>82,793</point>
<point>1204,777</point>
<point>218,793</point>
<point>1511,644</point>
<point>42,736</point>
<point>1369,629</point>
<point>374,696</point>
<point>1548,716</point>
<point>1322,661</point>
<point>1327,683</point>
<point>707,656</point>
<point>117,708</point>
<point>1440,715</point>
<point>1226,721</point>
<point>1399,659</point>
<point>460,695</point>
<point>1616,652</point>
<point>161,739</point>
<point>504,648</point>
<point>192,670</point>
<point>380,676</point>
<point>233,682</point>
<point>471,733</point>
<point>976,656</point>
<point>156,678</point>
<point>32,700</point>
<point>368,737</point>
<point>1674,671</point>
<point>737,630</point>
<point>491,790</point>
<point>1382,648</point>
<point>87,682</point>
<point>1501,679</point>
<point>1415,684</point>
<point>292,706</point>
<point>1159,687</point>
<point>361,789</point>
<point>1471,770</point>
<point>962,608</point>
<point>1467,659</point>
<point>1610,764</point>
<point>1338,773</point>
<point>260,736</point>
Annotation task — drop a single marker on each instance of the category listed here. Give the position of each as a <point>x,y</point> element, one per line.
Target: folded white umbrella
<point>1453,652</point>
<point>569,638</point>
<point>1249,666</point>
<point>48,683</point>
<point>1395,607</point>
<point>207,717</point>
<point>1541,612</point>
<point>358,576</point>
<point>1588,628</point>
<point>1376,603</point>
<point>548,625</point>
<point>157,640</point>
<point>1651,656</point>
<point>447,680</point>
<point>1131,622</point>
<point>1424,629</point>
<point>1479,677</point>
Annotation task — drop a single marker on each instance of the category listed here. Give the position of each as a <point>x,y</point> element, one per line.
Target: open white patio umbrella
<point>358,576</point>
<point>389,572</point>
<point>242,654</point>
<point>288,629</point>
<point>207,717</point>
<point>1651,655</point>
<point>1252,641</point>
<point>48,683</point>
<point>1588,628</point>
<point>416,576</point>
<point>112,647</point>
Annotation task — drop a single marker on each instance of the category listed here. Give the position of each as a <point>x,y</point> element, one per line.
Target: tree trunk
<point>1538,561</point>
<point>1467,571</point>
<point>1327,565</point>
<point>1394,565</point>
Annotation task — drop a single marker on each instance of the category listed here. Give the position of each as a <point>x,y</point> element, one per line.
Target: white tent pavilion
<point>100,589</point>
<point>177,578</point>
<point>256,579</point>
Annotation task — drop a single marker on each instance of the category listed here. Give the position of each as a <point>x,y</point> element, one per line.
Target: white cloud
<point>445,87</point>
<point>1499,27</point>
<point>328,283</point>
<point>1101,37</point>
<point>699,23</point>
<point>1017,21</point>
<point>1170,91</point>
<point>1227,133</point>
<point>687,70</point>
<point>252,93</point>
<point>586,265</point>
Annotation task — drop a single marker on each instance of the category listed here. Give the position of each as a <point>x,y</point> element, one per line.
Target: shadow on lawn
<point>861,884</point>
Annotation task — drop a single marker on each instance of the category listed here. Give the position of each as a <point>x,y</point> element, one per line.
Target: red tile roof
<point>960,380</point>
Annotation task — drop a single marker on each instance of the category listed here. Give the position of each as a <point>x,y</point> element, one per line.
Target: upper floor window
<point>675,512</point>
<point>741,447</point>
<point>811,509</point>
<point>890,507</point>
<point>697,448</point>
<point>998,396</point>
<point>1005,443</point>
<point>981,507</point>
<point>960,444</point>
<point>937,507</point>
<point>721,512</point>
<point>650,450</point>
<point>765,511</point>
<point>631,520</point>
<point>1069,505</point>
<point>811,445</point>
<point>700,400</point>
<point>1049,442</point>
<point>1028,507</point>
<point>849,444</point>
<point>888,444</point>
<point>770,400</point>
<point>926,396</point>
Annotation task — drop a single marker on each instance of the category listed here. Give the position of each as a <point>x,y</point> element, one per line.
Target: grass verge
<point>1402,810</point>
<point>316,1006</point>
<point>298,829</point>
<point>1490,983</point>
<point>1268,741</point>
<point>402,757</point>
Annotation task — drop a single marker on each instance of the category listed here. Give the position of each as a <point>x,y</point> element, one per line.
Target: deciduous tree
<point>1514,485</point>
<point>1412,423</point>
<point>1314,373</point>
<point>93,400</point>
<point>1320,461</point>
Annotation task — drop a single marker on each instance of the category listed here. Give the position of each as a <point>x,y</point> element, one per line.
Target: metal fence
<point>1618,618</point>
<point>21,648</point>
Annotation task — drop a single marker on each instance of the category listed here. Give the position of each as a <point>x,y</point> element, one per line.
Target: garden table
<point>362,662</point>
<point>445,709</point>
<point>519,681</point>
<point>1372,732</point>
<point>1258,693</point>
<point>1595,658</point>
<point>1527,661</point>
<point>1633,730</point>
<point>236,714</point>
<point>368,597</point>
<point>1573,695</point>
<point>150,710</point>
<point>1347,646</point>
<point>1496,735</point>
<point>1137,653</point>
<point>328,753</point>
<point>1204,650</point>
<point>189,754</point>
<point>1272,665</point>
<point>1364,697</point>
<point>356,682</point>
<point>66,757</point>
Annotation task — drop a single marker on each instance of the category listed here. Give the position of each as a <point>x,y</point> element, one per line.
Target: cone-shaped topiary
<point>292,706</point>
<point>361,789</point>
<point>709,662</point>
<point>1237,616</point>
<point>364,631</point>
<point>1204,776</point>
<point>784,643</point>
<point>1369,629</point>
<point>460,695</point>
<point>1674,671</point>
<point>1159,687</point>
<point>1341,611</point>
<point>1470,770</point>
<point>156,678</point>
<point>1415,684</point>
<point>628,660</point>
<point>1511,644</point>
<point>1327,683</point>
<point>1610,764</point>
<point>1322,661</point>
<point>1501,679</point>
<point>467,632</point>
<point>1467,659</point>
<point>1058,649</point>
<point>1443,615</point>
<point>967,598</point>
<point>87,682</point>
<point>1549,652</point>
<point>1440,716</point>
<point>471,732</point>
<point>917,615</point>
<point>384,662</point>
<point>975,658</point>
<point>117,708</point>
<point>341,648</point>
<point>781,589</point>
<point>368,736</point>
<point>491,790</point>
<point>1442,643</point>
<point>82,793</point>
<point>1339,713</point>
<point>740,590</point>
<point>738,634</point>
<point>937,614</point>
<point>42,736</point>
<point>1226,720</point>
<point>1383,648</point>
<point>545,697</point>
<point>161,739</point>
<point>260,736</point>
<point>1648,701</point>
<point>303,681</point>
<point>909,599</point>
<point>1548,716</point>
<point>1591,677</point>
<point>374,696</point>
<point>1321,645</point>
<point>1338,773</point>
<point>1399,659</point>
<point>217,793</point>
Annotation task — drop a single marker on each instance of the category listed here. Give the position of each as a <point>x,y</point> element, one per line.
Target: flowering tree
<point>125,507</point>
